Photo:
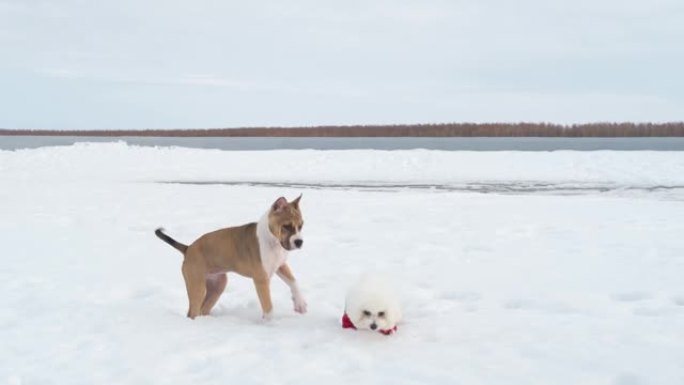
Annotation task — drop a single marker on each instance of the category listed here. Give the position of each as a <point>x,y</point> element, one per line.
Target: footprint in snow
<point>461,296</point>
<point>628,379</point>
<point>550,307</point>
<point>678,300</point>
<point>633,296</point>
<point>656,311</point>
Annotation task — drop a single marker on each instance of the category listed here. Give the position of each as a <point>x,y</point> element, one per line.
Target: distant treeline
<point>408,130</point>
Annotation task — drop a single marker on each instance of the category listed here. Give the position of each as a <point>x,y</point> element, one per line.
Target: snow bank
<point>119,161</point>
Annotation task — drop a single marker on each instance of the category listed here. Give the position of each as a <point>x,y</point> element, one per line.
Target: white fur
<point>374,294</point>
<point>297,297</point>
<point>273,255</point>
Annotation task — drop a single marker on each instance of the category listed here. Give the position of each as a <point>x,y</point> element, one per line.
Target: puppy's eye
<point>381,314</point>
<point>366,313</point>
<point>301,226</point>
<point>288,228</point>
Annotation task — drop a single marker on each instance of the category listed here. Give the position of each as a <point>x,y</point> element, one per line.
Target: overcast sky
<point>87,64</point>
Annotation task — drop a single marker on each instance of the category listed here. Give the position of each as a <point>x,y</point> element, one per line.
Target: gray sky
<point>87,64</point>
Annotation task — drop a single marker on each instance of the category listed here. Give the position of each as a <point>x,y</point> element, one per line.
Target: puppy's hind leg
<point>196,286</point>
<point>216,284</point>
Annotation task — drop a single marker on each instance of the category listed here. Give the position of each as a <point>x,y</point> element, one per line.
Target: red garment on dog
<point>347,324</point>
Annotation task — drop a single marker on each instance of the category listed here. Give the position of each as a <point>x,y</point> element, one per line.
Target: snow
<point>576,282</point>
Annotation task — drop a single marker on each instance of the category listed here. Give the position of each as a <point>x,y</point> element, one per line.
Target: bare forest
<point>674,129</point>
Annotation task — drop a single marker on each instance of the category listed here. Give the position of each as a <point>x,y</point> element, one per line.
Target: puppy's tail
<point>174,243</point>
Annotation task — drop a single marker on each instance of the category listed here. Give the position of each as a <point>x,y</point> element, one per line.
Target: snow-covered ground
<point>514,268</point>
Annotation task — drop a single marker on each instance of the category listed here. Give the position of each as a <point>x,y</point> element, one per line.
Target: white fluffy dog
<point>372,304</point>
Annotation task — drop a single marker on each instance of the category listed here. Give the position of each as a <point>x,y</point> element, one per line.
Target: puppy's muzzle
<point>298,243</point>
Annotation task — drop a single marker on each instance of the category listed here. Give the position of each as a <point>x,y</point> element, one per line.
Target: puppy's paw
<point>267,316</point>
<point>299,304</point>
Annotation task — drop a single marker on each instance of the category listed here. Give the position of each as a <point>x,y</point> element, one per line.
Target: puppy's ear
<point>295,202</point>
<point>279,204</point>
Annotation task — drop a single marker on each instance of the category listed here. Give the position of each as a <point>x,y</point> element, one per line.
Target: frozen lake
<point>449,144</point>
<point>514,268</point>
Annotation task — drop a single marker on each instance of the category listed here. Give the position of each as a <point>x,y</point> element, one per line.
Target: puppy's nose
<point>298,242</point>
<point>373,326</point>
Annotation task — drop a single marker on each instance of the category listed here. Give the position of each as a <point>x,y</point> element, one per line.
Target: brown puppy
<point>255,250</point>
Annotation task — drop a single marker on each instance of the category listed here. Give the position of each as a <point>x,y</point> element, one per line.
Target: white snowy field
<point>577,277</point>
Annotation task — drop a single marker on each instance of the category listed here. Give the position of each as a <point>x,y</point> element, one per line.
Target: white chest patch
<point>273,255</point>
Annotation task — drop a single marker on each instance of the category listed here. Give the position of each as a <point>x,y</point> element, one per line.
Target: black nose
<point>373,326</point>
<point>298,242</point>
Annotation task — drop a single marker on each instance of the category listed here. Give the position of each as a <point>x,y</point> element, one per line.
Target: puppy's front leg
<point>263,289</point>
<point>286,275</point>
